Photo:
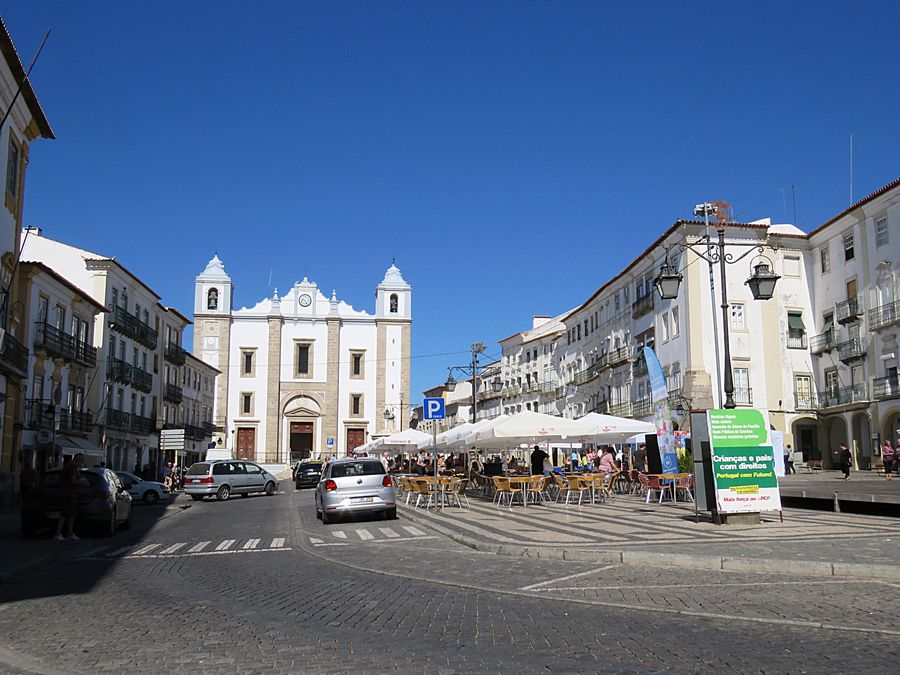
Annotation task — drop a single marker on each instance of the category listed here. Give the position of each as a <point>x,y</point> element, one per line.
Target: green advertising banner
<point>743,461</point>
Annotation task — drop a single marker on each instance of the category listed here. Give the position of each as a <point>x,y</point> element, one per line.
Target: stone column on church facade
<point>332,409</point>
<point>273,392</point>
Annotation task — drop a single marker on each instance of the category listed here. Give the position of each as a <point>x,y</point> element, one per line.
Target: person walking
<point>787,460</point>
<point>888,457</point>
<point>69,484</point>
<point>846,459</point>
<point>640,458</point>
<point>538,457</point>
<point>574,461</point>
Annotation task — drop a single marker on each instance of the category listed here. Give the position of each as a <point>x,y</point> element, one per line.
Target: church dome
<point>394,278</point>
<point>215,268</point>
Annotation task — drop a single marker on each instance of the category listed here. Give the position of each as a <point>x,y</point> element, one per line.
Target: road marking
<point>199,553</point>
<point>313,540</point>
<point>340,534</point>
<point>337,543</point>
<point>146,549</point>
<point>278,542</point>
<point>119,551</point>
<point>365,535</point>
<point>225,545</point>
<point>391,541</point>
<point>196,548</point>
<point>171,549</point>
<point>571,576</point>
<point>415,531</point>
<point>252,543</point>
<point>389,532</point>
<point>718,584</point>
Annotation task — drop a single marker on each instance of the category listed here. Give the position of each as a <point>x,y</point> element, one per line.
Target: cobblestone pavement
<point>425,603</point>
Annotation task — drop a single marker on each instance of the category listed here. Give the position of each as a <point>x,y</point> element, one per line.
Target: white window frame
<point>737,319</point>
<point>882,236</point>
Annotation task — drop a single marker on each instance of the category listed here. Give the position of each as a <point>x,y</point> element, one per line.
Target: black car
<point>308,473</point>
<point>103,503</point>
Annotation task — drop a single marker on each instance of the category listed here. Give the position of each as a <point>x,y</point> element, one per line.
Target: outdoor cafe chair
<point>537,488</point>
<point>505,489</point>
<point>577,486</point>
<point>654,483</point>
<point>561,485</point>
<point>424,489</point>
<point>685,486</point>
<point>457,490</point>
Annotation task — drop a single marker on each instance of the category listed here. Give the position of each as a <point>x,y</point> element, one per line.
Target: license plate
<point>361,500</point>
<point>194,480</point>
<point>53,514</point>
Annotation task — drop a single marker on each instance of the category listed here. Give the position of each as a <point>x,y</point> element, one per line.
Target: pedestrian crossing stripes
<point>381,535</point>
<point>183,549</point>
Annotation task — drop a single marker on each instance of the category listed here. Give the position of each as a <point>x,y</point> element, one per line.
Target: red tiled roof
<point>18,71</point>
<point>880,191</point>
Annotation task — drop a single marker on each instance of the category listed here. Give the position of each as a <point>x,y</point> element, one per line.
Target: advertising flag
<point>662,416</point>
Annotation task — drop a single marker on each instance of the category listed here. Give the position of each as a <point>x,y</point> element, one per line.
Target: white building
<point>303,374</point>
<point>63,362</point>
<point>138,342</point>
<point>853,394</point>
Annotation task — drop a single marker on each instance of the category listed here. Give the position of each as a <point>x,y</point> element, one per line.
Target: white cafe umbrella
<point>610,429</point>
<point>408,439</point>
<point>523,427</point>
<point>441,439</point>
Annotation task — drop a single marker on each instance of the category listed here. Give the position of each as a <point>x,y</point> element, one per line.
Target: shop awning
<point>796,322</point>
<point>73,445</point>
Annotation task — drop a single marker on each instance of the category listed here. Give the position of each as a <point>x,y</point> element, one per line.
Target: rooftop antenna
<point>851,168</point>
<point>794,199</point>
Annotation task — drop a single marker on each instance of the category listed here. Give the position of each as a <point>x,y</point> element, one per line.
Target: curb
<point>651,559</point>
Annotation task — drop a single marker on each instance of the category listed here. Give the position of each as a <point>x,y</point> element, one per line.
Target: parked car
<point>223,478</point>
<point>308,473</point>
<point>148,491</point>
<point>355,485</point>
<point>103,503</point>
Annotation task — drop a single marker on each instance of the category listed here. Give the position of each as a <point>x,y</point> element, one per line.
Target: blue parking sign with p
<point>434,408</point>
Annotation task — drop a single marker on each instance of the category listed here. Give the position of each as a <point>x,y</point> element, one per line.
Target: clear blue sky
<point>512,156</point>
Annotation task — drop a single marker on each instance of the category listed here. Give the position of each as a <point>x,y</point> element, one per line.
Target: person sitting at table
<point>608,462</point>
<point>421,464</point>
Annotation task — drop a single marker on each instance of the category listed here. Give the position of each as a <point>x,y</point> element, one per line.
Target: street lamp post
<point>389,415</point>
<point>761,282</point>
<point>472,370</point>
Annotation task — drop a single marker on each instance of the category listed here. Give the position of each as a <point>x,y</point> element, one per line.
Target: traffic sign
<point>171,439</point>
<point>329,441</point>
<point>433,409</point>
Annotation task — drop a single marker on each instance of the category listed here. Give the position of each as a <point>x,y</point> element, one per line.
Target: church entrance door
<point>301,440</point>
<point>246,443</point>
<point>355,438</point>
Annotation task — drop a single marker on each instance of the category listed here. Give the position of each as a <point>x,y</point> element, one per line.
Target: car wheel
<point>223,493</point>
<point>296,486</point>
<point>197,498</point>
<point>270,489</point>
<point>391,514</point>
<point>326,519</point>
<point>151,497</point>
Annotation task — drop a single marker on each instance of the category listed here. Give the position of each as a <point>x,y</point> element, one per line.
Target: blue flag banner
<point>662,416</point>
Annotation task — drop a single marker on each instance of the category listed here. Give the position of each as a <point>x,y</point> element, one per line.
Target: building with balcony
<point>25,124</point>
<point>135,344</point>
<point>198,387</point>
<point>852,394</point>
<point>527,368</point>
<point>59,320</point>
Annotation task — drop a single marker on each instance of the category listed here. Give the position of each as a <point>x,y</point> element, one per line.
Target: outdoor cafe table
<point>525,482</point>
<point>442,483</point>
<point>591,478</point>
<point>674,477</point>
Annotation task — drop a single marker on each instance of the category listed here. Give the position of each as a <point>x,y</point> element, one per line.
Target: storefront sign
<point>743,461</point>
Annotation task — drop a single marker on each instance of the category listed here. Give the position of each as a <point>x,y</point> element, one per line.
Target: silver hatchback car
<point>355,485</point>
<point>223,478</point>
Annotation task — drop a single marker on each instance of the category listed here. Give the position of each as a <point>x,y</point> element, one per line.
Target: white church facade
<point>303,375</point>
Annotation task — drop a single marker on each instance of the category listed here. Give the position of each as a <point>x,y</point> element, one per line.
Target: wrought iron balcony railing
<point>621,409</point>
<point>602,407</point>
<point>796,340</point>
<point>805,401</point>
<point>743,396</point>
<point>175,354</point>
<point>884,316</point>
<point>641,306</point>
<point>824,342</point>
<point>853,349</point>
<point>118,370</point>
<point>848,311</point>
<point>639,367</point>
<point>620,355</point>
<point>58,343</point>
<point>141,380</point>
<point>173,393</point>
<point>14,356</point>
<point>39,414</point>
<point>141,425</point>
<point>886,387</point>
<point>642,407</point>
<point>117,419</point>
<point>76,421</point>
<point>857,393</point>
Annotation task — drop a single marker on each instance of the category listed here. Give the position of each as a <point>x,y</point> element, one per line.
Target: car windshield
<point>199,469</point>
<point>357,469</point>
